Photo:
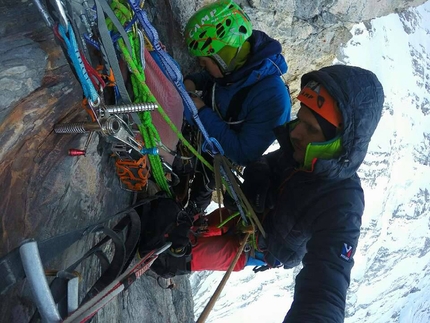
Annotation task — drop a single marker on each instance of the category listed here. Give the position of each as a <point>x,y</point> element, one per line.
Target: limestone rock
<point>45,192</point>
<point>310,32</point>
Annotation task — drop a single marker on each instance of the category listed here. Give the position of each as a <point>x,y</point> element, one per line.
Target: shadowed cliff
<point>45,192</point>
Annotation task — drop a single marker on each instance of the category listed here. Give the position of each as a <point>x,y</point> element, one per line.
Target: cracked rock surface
<point>45,192</point>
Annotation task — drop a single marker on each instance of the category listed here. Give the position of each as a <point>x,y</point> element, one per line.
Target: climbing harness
<point>98,38</point>
<point>122,30</point>
<point>113,49</point>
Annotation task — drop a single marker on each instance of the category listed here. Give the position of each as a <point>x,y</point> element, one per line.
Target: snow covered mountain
<point>391,277</point>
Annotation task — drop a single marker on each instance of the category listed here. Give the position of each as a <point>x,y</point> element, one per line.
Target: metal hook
<point>120,131</point>
<point>63,18</point>
<point>44,12</point>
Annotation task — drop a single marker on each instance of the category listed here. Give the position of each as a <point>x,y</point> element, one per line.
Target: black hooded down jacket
<point>317,215</point>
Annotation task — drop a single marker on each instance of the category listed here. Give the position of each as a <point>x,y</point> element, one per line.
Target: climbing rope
<point>120,33</point>
<point>141,92</point>
<point>131,49</point>
<point>208,308</point>
<point>174,75</point>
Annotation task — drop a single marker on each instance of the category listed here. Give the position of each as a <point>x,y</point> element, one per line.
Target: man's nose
<point>297,132</point>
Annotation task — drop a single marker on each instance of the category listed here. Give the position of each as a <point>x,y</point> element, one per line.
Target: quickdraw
<point>116,121</point>
<point>107,45</point>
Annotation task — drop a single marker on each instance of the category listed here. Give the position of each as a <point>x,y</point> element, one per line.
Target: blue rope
<point>215,143</point>
<point>73,51</point>
<point>174,75</point>
<point>91,41</point>
<point>127,28</point>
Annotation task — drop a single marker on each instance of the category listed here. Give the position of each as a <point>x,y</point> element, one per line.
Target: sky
<point>391,277</point>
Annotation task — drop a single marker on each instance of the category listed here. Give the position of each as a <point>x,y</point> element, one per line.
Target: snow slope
<point>391,277</point>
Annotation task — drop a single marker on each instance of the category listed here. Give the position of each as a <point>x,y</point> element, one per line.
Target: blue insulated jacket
<point>317,216</point>
<point>266,106</point>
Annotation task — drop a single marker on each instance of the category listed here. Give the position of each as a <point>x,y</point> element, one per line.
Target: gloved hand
<point>229,203</point>
<point>179,236</point>
<point>257,186</point>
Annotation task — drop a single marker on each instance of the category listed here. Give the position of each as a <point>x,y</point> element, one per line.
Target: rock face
<point>45,192</point>
<point>310,31</point>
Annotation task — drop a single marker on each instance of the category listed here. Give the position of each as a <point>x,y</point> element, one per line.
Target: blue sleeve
<point>266,106</point>
<point>321,286</point>
<point>201,80</point>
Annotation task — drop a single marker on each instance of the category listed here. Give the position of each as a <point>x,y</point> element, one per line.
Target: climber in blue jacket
<point>243,94</point>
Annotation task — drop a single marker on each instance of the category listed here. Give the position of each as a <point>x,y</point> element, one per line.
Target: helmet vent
<point>243,30</point>
<point>202,34</point>
<point>220,30</point>
<point>193,45</point>
<point>228,22</point>
<point>207,43</point>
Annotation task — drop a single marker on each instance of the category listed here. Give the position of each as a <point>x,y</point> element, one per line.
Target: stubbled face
<point>306,131</point>
<point>209,65</point>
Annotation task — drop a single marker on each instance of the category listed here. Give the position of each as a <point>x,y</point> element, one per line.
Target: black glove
<point>179,236</point>
<point>257,186</point>
<point>229,202</point>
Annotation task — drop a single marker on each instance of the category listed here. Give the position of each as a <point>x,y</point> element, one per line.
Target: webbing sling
<point>124,254</point>
<point>174,74</point>
<point>108,49</point>
<point>90,308</point>
<point>11,269</point>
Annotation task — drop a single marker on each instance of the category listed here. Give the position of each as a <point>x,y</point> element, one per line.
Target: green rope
<point>183,139</point>
<point>141,94</point>
<point>223,223</point>
<point>127,17</point>
<point>166,118</point>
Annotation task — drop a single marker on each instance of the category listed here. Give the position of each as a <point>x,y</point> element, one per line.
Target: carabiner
<point>62,15</point>
<point>48,20</point>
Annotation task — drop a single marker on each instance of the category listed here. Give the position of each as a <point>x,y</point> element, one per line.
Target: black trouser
<point>198,194</point>
<point>203,185</point>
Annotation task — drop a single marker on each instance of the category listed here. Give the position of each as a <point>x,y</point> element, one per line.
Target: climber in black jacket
<point>308,193</point>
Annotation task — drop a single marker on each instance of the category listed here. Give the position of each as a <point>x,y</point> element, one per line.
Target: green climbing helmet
<point>219,24</point>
